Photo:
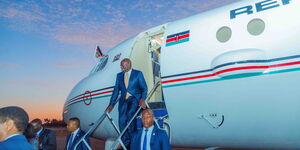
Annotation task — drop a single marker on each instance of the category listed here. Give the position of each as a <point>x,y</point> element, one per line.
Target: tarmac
<point>97,144</point>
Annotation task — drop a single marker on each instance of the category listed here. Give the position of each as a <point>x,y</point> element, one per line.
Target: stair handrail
<point>106,114</point>
<point>95,126</point>
<point>134,116</point>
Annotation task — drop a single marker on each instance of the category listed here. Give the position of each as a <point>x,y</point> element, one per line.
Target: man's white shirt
<point>74,133</point>
<point>39,132</point>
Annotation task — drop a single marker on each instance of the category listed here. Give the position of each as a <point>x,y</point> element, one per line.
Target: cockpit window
<point>101,64</point>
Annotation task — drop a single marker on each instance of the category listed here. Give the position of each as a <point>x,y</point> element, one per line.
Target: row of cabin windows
<point>255,27</point>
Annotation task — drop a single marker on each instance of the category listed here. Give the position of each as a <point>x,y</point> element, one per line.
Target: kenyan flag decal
<point>178,38</point>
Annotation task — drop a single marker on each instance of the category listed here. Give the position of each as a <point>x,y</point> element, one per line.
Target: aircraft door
<point>145,57</point>
<point>155,48</point>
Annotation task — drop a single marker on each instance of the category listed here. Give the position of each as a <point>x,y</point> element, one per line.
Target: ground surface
<point>97,144</point>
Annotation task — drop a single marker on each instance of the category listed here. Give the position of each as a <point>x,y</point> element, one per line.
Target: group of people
<point>133,88</point>
<point>16,133</point>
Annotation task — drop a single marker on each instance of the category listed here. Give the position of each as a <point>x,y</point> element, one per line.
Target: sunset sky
<point>47,46</point>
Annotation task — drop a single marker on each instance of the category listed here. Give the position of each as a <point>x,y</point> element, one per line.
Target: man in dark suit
<point>73,127</point>
<point>150,137</point>
<point>133,88</point>
<point>47,138</point>
<point>13,122</point>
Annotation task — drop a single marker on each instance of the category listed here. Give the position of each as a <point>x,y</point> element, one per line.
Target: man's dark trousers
<point>126,112</point>
<point>137,88</point>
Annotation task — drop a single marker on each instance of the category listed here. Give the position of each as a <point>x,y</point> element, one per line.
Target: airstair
<point>160,115</point>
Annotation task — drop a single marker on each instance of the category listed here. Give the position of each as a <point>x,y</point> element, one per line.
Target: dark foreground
<point>96,144</point>
<point>99,144</point>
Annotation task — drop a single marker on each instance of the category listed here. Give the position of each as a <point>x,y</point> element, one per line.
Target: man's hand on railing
<point>142,103</point>
<point>109,108</point>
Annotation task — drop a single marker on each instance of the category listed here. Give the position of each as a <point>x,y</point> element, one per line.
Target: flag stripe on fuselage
<point>166,83</point>
<point>178,78</point>
<point>178,38</point>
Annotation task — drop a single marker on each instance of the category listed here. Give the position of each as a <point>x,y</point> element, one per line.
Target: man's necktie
<point>145,140</point>
<point>126,84</point>
<point>70,141</point>
<point>126,79</point>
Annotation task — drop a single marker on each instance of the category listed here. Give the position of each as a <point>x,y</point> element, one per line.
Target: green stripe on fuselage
<point>237,76</point>
<point>177,42</point>
<point>92,99</point>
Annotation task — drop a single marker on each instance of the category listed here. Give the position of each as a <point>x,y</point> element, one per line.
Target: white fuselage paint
<point>252,81</point>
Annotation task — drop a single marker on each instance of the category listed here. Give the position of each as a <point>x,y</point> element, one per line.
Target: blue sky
<point>47,46</point>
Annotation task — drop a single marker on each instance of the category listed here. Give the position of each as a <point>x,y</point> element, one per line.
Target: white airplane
<point>229,77</point>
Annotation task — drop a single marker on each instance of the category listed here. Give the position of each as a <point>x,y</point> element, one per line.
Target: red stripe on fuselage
<point>90,96</point>
<point>232,69</point>
<point>177,38</point>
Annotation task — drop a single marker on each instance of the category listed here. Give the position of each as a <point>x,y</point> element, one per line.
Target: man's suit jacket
<point>78,136</point>
<point>159,140</point>
<point>48,139</point>
<point>18,142</point>
<point>137,87</point>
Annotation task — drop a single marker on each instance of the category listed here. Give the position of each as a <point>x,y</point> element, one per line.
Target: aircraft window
<point>224,34</point>
<point>101,64</point>
<point>256,27</point>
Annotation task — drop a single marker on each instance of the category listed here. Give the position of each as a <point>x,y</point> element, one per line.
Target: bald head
<point>125,65</point>
<point>148,111</point>
<point>147,118</point>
